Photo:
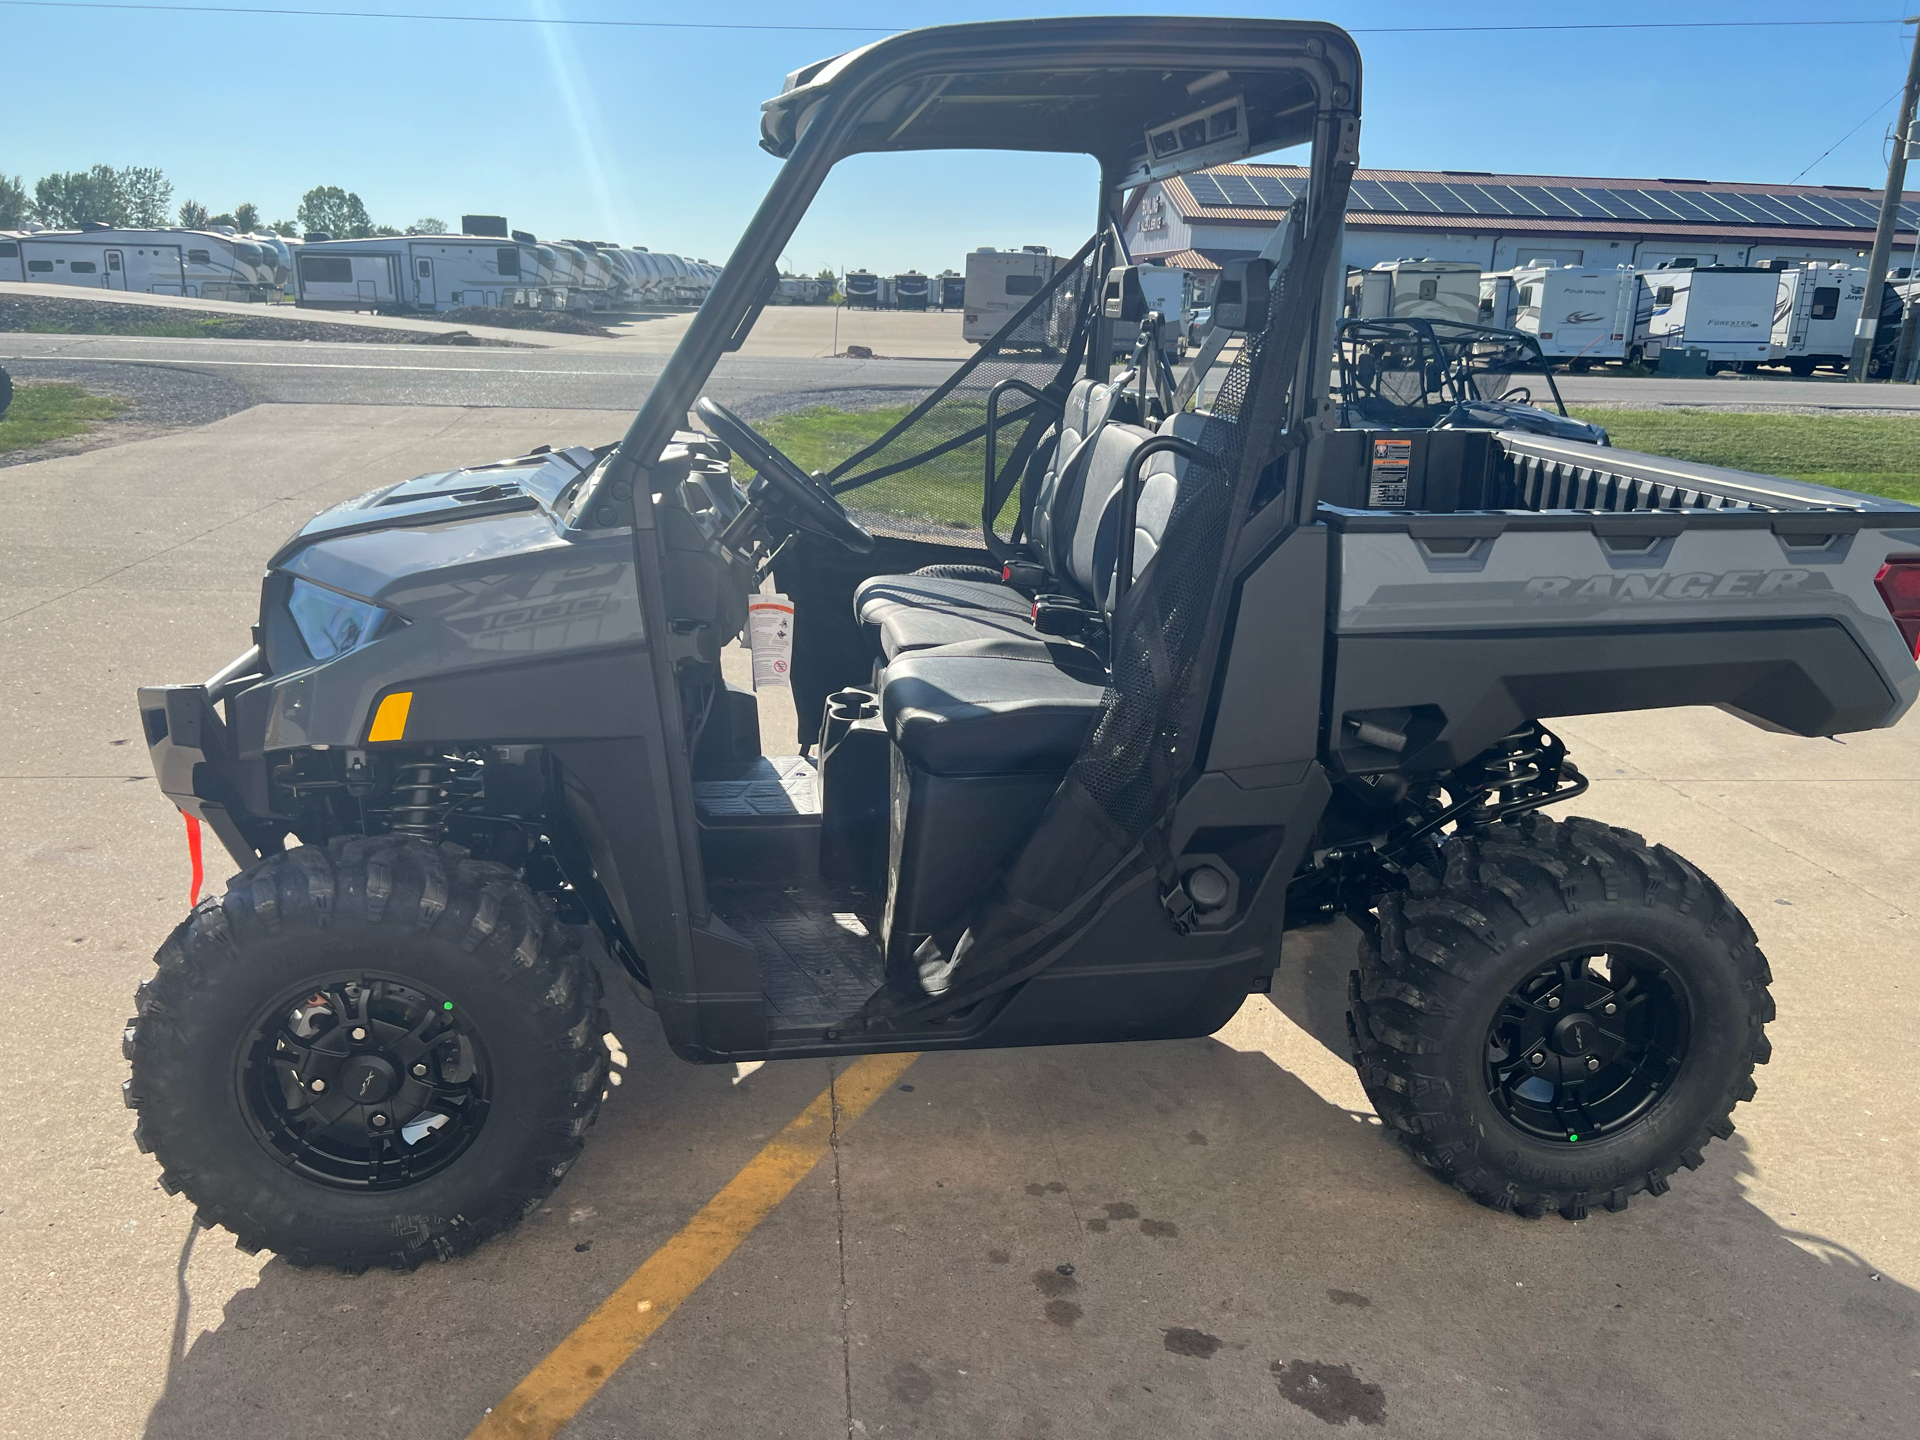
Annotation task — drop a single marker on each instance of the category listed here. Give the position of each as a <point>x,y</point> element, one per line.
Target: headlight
<point>331,623</point>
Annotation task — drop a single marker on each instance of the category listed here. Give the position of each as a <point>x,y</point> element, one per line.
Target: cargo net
<point>925,477</point>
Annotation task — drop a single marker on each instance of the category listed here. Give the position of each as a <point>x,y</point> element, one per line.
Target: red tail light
<point>1006,573</point>
<point>1899,585</point>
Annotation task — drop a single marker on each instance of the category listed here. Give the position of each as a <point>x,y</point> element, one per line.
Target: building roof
<point>1479,201</point>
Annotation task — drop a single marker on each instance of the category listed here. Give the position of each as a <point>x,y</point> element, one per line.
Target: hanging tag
<point>770,634</point>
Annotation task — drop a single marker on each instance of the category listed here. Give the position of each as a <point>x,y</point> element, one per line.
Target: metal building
<point>1500,221</point>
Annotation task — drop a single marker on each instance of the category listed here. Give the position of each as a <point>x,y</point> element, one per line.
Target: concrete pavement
<point>1249,1255</point>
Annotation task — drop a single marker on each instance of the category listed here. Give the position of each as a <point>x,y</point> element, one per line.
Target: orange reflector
<point>390,720</point>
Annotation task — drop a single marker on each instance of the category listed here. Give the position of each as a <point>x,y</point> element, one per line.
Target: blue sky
<point>649,136</point>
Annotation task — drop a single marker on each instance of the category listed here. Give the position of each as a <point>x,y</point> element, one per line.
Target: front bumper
<point>195,761</point>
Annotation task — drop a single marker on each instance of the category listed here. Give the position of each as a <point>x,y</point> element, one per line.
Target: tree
<point>146,193</point>
<point>246,217</point>
<point>381,230</point>
<point>427,225</point>
<point>13,202</point>
<point>341,213</point>
<point>285,229</point>
<point>78,197</point>
<point>193,215</point>
<point>214,222</point>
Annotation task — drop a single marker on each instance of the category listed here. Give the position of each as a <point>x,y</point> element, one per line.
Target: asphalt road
<point>1250,1256</point>
<point>797,355</point>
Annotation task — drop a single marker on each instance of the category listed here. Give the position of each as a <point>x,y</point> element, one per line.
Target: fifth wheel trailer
<point>409,273</point>
<point>1578,315</point>
<point>192,263</point>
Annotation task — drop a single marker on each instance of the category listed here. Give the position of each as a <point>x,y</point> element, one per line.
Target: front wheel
<point>1562,1018</point>
<point>373,1054</point>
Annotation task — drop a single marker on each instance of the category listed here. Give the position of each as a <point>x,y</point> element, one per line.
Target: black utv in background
<point>1213,665</point>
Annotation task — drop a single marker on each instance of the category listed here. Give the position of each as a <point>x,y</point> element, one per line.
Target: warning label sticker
<point>1387,479</point>
<point>770,633</point>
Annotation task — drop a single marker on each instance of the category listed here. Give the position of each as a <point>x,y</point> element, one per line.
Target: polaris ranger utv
<point>1209,667</point>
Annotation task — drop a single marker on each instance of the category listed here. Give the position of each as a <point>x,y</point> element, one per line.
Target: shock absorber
<point>421,799</point>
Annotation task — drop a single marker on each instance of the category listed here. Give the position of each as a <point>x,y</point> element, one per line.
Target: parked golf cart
<point>1211,665</point>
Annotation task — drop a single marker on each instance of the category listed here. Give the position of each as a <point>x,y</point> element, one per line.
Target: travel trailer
<point>409,273</point>
<point>195,263</point>
<point>1815,311</point>
<point>1416,290</point>
<point>998,283</point>
<point>1726,310</point>
<point>1578,315</point>
<point>862,290</point>
<point>948,290</point>
<point>910,291</point>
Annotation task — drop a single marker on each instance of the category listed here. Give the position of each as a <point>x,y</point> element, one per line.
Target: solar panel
<point>1372,195</point>
<point>1716,208</point>
<point>1656,204</point>
<point>1607,205</point>
<point>1274,191</point>
<point>1542,199</point>
<point>1475,199</point>
<point>1517,203</point>
<point>1409,197</point>
<point>1830,211</point>
<point>1681,201</point>
<point>1239,191</point>
<point>1745,211</point>
<point>1579,204</point>
<point>1206,190</point>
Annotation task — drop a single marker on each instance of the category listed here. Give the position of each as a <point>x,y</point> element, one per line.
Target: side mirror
<point>1241,298</point>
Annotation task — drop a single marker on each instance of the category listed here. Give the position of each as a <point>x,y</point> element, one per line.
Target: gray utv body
<point>1374,623</point>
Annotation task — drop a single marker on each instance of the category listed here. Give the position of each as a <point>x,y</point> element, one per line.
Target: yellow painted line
<point>390,720</point>
<point>556,1389</point>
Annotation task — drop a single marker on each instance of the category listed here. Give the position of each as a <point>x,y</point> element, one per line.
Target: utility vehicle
<point>1209,666</point>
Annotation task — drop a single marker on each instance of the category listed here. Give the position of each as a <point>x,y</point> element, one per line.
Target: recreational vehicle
<point>1815,311</point>
<point>910,291</point>
<point>1416,290</point>
<point>948,290</point>
<point>1578,315</point>
<point>1726,310</point>
<point>1497,302</point>
<point>408,272</point>
<point>862,290</point>
<point>199,264</point>
<point>998,284</point>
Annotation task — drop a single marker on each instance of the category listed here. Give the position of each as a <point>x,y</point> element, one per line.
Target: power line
<point>316,13</point>
<point>1848,136</point>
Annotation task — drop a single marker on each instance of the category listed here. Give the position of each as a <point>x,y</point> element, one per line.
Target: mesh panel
<point>1133,757</point>
<point>925,478</point>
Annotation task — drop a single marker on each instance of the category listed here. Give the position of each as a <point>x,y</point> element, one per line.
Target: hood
<point>527,482</point>
<point>1505,415</point>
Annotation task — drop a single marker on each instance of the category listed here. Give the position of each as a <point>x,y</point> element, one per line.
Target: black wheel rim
<point>363,1081</point>
<point>1587,1044</point>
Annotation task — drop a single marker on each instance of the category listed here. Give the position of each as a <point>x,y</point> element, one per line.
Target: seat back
<point>1160,486</point>
<point>1088,405</point>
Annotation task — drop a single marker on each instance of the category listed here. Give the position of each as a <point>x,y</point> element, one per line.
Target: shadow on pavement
<point>1243,1258</point>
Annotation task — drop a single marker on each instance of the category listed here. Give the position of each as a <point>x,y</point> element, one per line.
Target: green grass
<point>1873,454</point>
<point>52,412</point>
<point>947,491</point>
<point>214,327</point>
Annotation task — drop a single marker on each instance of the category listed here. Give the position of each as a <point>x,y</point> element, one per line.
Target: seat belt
<point>1278,250</point>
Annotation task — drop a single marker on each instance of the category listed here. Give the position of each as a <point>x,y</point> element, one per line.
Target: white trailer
<point>999,283</point>
<point>194,263</point>
<point>1416,289</point>
<point>1815,311</point>
<point>1497,302</point>
<point>409,273</point>
<point>1578,315</point>
<point>1726,310</point>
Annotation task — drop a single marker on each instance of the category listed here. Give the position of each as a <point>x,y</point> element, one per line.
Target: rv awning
<point>1147,96</point>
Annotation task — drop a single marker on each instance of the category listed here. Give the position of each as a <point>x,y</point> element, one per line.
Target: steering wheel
<point>804,500</point>
<point>1519,394</point>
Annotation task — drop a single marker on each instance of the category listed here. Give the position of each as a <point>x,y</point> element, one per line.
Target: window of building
<point>83,267</point>
<point>199,257</point>
<point>326,270</point>
<point>1023,285</point>
<point>40,267</point>
<point>509,260</point>
<point>1826,302</point>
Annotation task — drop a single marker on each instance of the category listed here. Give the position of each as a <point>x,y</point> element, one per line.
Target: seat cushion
<point>879,595</point>
<point>905,628</point>
<point>991,708</point>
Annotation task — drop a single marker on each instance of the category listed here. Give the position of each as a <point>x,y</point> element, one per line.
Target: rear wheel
<point>378,1053</point>
<point>1562,1019</point>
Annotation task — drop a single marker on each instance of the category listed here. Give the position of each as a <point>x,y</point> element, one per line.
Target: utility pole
<point>1889,216</point>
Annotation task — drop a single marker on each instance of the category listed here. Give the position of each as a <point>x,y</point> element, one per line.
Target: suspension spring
<point>421,799</point>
